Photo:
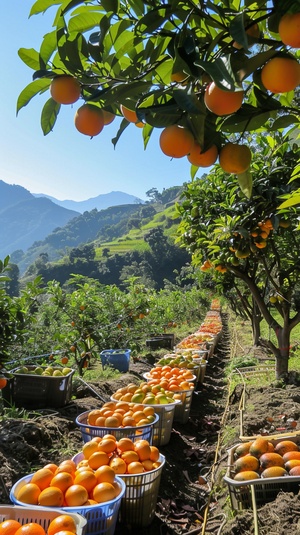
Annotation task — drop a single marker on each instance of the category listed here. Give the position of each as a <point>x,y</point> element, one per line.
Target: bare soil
<point>193,498</point>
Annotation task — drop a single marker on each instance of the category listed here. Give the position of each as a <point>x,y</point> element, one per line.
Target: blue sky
<point>66,164</point>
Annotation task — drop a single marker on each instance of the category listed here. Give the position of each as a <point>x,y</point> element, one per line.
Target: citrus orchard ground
<point>192,490</point>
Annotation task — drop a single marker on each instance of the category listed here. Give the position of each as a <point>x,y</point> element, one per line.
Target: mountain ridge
<point>100,202</point>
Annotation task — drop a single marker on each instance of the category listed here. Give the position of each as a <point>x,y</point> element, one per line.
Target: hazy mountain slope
<point>28,221</point>
<point>101,202</point>
<point>12,194</point>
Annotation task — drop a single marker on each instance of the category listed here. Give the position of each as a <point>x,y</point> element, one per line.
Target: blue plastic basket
<point>101,518</point>
<point>138,432</point>
<point>116,358</point>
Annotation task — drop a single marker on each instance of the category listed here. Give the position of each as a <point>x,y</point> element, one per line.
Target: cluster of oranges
<point>120,414</point>
<point>69,485</point>
<point>171,378</point>
<point>207,332</point>
<point>179,360</point>
<point>123,456</point>
<point>145,394</point>
<point>62,523</point>
<point>261,458</point>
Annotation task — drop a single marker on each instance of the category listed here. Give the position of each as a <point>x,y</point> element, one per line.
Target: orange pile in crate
<point>121,414</point>
<point>145,394</point>
<point>45,523</point>
<point>261,458</point>
<point>171,378</point>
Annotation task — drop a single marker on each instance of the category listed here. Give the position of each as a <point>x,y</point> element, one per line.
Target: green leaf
<point>220,71</point>
<point>245,183</point>
<point>153,20</point>
<point>30,57</point>
<point>42,5</point>
<point>284,121</point>
<point>85,21</point>
<point>290,202</point>
<point>255,62</point>
<point>49,115</point>
<point>147,131</point>
<point>48,46</point>
<point>37,87</point>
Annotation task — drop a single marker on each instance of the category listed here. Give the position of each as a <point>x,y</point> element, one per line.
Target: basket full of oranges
<point>265,463</point>
<point>16,520</point>
<point>120,419</point>
<point>95,496</point>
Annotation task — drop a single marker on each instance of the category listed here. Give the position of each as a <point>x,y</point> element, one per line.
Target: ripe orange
<point>89,448</point>
<point>246,463</point>
<point>203,159</point>
<point>247,474</point>
<point>42,478</point>
<point>130,456</point>
<point>270,459</point>
<point>125,444</point>
<point>64,360</point>
<point>105,474</point>
<point>289,455</point>
<point>295,471</point>
<point>274,471</point>
<point>97,459</point>
<point>142,448</point>
<point>154,453</point>
<point>289,29</point>
<point>108,445</point>
<point>104,492</point>
<point>31,528</point>
<point>76,495</point>
<point>258,447</point>
<point>235,158</point>
<point>65,89</point>
<point>289,465</point>
<point>51,466</point>
<point>51,497</point>
<point>135,468</point>
<point>29,494</point>
<point>62,523</point>
<point>108,117</point>
<point>118,465</point>
<point>113,421</point>
<point>222,102</point>
<point>89,120</point>
<point>284,446</point>
<point>131,116</point>
<point>62,480</point>
<point>176,141</point>
<point>87,479</point>
<point>3,383</point>
<point>281,74</point>
<point>9,527</point>
<point>93,415</point>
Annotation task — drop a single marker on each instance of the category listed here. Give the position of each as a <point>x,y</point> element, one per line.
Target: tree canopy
<point>160,58</point>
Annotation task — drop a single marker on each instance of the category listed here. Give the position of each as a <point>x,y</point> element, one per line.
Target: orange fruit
<point>89,120</point>
<point>222,102</point>
<point>274,471</point>
<point>235,158</point>
<point>179,77</point>
<point>154,453</point>
<point>258,447</point>
<point>118,465</point>
<point>128,421</point>
<point>252,31</point>
<point>62,480</point>
<point>87,479</point>
<point>29,493</point>
<point>65,532</point>
<point>289,29</point>
<point>246,475</point>
<point>89,448</point>
<point>281,74</point>
<point>295,471</point>
<point>176,141</point>
<point>289,455</point>
<point>104,492</point>
<point>130,456</point>
<point>9,527</point>
<point>148,465</point>
<point>51,466</point>
<point>271,459</point>
<point>203,159</point>
<point>3,383</point>
<point>108,117</point>
<point>65,89</point>
<point>92,416</point>
<point>142,448</point>
<point>135,468</point>
<point>246,463</point>
<point>112,421</point>
<point>284,446</point>
<point>31,528</point>
<point>131,116</point>
<point>97,459</point>
<point>289,465</point>
<point>107,444</point>
<point>42,478</point>
<point>76,495</point>
<point>62,523</point>
<point>125,444</point>
<point>105,474</point>
<point>51,497</point>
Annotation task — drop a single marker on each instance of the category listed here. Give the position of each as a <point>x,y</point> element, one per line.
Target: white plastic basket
<point>40,515</point>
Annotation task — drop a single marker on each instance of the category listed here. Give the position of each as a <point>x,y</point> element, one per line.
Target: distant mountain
<point>101,202</point>
<point>25,219</point>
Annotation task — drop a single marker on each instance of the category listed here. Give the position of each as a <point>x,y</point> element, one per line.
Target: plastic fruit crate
<point>101,519</point>
<point>138,504</point>
<point>32,391</point>
<point>265,490</point>
<point>40,515</point>
<point>163,427</point>
<point>116,358</point>
<point>90,431</point>
<point>182,411</point>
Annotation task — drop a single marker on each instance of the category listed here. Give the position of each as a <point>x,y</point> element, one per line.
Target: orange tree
<point>249,240</point>
<point>211,68</point>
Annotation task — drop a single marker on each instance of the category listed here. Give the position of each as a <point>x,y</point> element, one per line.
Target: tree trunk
<point>282,353</point>
<point>255,322</point>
